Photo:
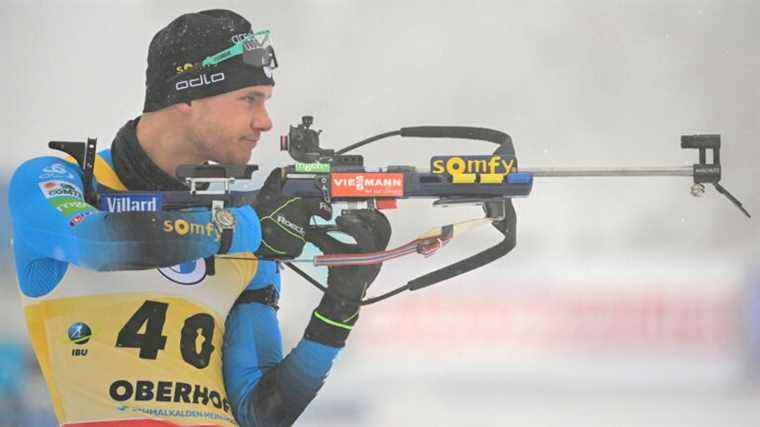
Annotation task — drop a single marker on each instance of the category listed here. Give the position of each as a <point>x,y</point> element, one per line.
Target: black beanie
<point>189,39</point>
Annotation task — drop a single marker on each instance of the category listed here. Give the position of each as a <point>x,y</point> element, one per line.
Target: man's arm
<point>264,388</point>
<point>54,226</point>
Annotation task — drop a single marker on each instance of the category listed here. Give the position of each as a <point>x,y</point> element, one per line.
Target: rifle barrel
<point>607,171</point>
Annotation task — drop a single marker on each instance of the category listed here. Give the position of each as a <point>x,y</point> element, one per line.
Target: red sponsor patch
<point>79,218</point>
<point>386,203</point>
<point>367,184</point>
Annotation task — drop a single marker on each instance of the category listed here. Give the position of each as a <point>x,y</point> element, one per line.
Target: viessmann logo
<point>367,184</point>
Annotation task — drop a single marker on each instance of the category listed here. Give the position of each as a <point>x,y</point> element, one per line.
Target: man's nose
<point>261,120</point>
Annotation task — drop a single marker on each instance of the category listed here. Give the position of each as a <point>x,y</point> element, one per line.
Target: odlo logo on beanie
<point>202,80</point>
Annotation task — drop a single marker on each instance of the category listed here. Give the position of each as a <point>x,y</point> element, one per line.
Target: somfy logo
<point>202,80</point>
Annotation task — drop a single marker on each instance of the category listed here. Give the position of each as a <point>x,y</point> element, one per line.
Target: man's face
<point>226,128</point>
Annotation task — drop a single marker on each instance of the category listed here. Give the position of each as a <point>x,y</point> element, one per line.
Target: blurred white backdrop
<point>624,302</point>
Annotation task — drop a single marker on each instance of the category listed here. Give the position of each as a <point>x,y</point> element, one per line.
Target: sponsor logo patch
<point>123,390</point>
<point>184,227</point>
<point>56,188</point>
<point>187,273</point>
<point>237,38</point>
<point>69,205</point>
<point>78,218</point>
<point>312,168</point>
<point>457,165</point>
<point>175,413</point>
<point>284,222</point>
<point>56,170</point>
<point>202,80</point>
<point>133,202</point>
<point>367,184</point>
<point>79,333</point>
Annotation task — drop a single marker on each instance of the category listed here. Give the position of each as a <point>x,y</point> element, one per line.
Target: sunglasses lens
<point>260,57</point>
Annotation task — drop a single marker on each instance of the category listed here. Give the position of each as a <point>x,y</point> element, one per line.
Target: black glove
<point>283,219</point>
<point>338,310</point>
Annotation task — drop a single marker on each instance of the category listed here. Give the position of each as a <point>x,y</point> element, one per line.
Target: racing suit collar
<point>133,166</point>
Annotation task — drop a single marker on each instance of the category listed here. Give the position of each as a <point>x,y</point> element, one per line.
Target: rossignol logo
<point>202,80</point>
<point>130,203</point>
<point>367,184</point>
<point>285,222</point>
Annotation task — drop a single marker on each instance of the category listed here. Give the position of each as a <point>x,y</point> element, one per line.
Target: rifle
<point>333,176</point>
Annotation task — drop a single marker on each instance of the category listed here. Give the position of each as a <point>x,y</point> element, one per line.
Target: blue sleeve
<point>264,388</point>
<point>54,226</point>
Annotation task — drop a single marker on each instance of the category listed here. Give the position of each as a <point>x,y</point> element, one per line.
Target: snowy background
<point>627,302</point>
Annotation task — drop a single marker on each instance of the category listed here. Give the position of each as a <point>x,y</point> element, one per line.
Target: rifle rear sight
<point>302,143</point>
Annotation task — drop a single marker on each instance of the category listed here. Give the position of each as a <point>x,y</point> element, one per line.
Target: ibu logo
<point>79,333</point>
<point>132,202</point>
<point>187,273</point>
